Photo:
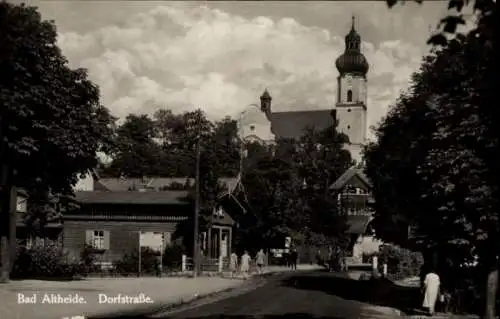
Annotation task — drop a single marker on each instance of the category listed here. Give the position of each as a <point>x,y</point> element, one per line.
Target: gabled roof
<point>21,192</point>
<point>358,224</point>
<point>225,220</point>
<point>132,198</point>
<point>98,186</point>
<point>348,175</point>
<point>292,124</point>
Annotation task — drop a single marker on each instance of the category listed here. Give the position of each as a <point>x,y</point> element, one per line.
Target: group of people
<point>243,264</point>
<point>291,258</point>
<point>334,261</point>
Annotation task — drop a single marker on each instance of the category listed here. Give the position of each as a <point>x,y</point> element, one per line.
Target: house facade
<point>113,224</point>
<point>117,216</point>
<point>353,195</point>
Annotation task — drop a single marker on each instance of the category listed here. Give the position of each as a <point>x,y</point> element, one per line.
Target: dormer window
<point>349,96</point>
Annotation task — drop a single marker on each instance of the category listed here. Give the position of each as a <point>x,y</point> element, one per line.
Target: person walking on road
<point>431,288</point>
<point>233,264</point>
<point>245,264</point>
<point>260,260</point>
<point>293,258</point>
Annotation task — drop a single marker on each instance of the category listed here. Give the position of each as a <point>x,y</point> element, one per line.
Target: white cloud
<point>184,57</point>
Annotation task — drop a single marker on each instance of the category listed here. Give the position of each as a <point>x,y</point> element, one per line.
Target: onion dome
<point>352,60</point>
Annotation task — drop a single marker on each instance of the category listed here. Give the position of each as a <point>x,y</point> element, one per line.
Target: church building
<point>350,108</point>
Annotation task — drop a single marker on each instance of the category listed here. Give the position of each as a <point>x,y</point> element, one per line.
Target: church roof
<point>293,123</point>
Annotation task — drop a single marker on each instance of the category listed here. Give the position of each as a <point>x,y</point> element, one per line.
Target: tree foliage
<point>321,160</point>
<point>51,122</point>
<point>136,153</point>
<point>288,189</point>
<point>435,164</point>
<point>51,118</point>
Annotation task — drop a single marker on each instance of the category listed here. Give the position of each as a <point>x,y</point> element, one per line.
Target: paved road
<point>303,294</point>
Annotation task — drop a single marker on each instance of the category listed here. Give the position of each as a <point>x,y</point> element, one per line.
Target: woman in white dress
<point>431,288</point>
<point>233,264</point>
<point>245,264</point>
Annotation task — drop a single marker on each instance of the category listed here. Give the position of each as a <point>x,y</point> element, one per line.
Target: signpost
<point>288,243</point>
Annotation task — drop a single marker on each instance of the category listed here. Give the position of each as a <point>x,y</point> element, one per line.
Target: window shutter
<point>88,237</point>
<point>106,239</point>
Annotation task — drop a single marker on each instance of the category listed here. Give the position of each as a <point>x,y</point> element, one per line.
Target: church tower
<point>351,108</point>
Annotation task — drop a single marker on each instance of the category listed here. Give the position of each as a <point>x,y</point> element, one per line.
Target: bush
<point>129,264</point>
<point>48,261</point>
<point>400,261</point>
<point>88,260</point>
<point>172,257</point>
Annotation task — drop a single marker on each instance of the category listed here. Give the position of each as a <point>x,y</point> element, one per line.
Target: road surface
<point>303,294</point>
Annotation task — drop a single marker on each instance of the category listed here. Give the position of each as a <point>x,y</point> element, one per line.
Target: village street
<point>308,294</point>
<point>304,294</point>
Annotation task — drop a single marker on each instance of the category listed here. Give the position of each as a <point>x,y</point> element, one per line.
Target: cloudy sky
<point>220,56</point>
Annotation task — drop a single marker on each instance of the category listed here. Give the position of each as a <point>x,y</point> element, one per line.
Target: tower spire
<point>353,22</point>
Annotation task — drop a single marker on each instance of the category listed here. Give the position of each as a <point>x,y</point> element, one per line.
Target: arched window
<point>349,96</point>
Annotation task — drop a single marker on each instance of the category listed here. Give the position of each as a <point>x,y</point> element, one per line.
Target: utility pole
<point>196,248</point>
<point>241,134</point>
<point>139,262</point>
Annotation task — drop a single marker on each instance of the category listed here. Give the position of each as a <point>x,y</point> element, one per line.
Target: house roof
<point>125,184</point>
<point>358,223</point>
<point>98,186</point>
<point>344,179</point>
<point>292,124</point>
<point>21,192</point>
<point>132,198</point>
<point>224,220</point>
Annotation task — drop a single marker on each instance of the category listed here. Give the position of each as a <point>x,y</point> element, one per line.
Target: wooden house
<point>354,198</point>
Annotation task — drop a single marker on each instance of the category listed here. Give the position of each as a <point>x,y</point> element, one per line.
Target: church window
<point>348,110</point>
<point>349,96</point>
<point>348,126</point>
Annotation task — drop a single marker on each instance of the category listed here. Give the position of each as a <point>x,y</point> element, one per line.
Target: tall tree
<point>439,139</point>
<point>272,184</point>
<point>136,152</point>
<point>52,124</point>
<point>481,43</point>
<point>288,188</point>
<point>321,160</point>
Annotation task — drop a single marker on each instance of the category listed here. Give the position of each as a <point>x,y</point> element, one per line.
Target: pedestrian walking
<point>293,259</point>
<point>319,258</point>
<point>245,264</point>
<point>260,260</point>
<point>288,260</point>
<point>431,288</point>
<point>233,264</point>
